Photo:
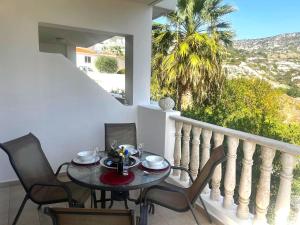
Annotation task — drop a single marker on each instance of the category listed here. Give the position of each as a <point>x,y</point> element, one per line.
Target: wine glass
<point>140,148</point>
<point>99,152</point>
<point>114,144</point>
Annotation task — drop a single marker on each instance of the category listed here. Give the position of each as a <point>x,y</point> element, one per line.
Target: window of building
<point>87,59</point>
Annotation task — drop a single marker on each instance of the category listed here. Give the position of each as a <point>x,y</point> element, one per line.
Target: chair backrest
<point>218,156</point>
<point>76,216</point>
<point>28,160</point>
<point>123,133</point>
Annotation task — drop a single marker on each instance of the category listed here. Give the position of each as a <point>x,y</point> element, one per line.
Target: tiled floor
<point>11,198</point>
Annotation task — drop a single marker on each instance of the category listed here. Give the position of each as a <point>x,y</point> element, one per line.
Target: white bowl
<point>154,160</point>
<point>86,155</point>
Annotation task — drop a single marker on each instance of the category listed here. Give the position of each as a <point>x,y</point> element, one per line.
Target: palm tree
<point>188,50</point>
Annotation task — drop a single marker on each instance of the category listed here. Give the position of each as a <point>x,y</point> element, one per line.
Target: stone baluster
<point>195,160</point>
<point>185,154</point>
<point>230,174</point>
<point>206,135</point>
<point>217,176</point>
<point>263,188</point>
<point>283,200</point>
<point>177,148</point>
<point>245,181</point>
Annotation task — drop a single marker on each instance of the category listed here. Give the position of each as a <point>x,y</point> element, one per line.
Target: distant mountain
<point>275,59</point>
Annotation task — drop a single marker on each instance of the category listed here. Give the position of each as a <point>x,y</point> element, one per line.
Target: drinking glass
<point>98,151</point>
<point>114,144</point>
<point>140,148</point>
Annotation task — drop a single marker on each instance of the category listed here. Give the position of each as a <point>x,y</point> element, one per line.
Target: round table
<point>89,176</point>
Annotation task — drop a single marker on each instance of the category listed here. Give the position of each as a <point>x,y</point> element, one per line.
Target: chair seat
<point>56,194</point>
<point>168,199</point>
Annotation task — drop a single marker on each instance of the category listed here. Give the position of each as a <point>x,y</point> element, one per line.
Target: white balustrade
<point>177,149</point>
<point>245,182</point>
<point>230,174</point>
<point>185,154</point>
<point>217,176</point>
<point>202,132</point>
<point>195,157</point>
<point>206,134</point>
<point>263,187</point>
<point>283,200</point>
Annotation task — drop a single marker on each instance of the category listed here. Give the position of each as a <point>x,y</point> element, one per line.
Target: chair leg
<point>194,214</point>
<point>39,207</point>
<point>93,196</point>
<point>125,203</point>
<point>111,203</point>
<point>205,209</point>
<point>20,210</point>
<point>103,199</point>
<point>151,208</point>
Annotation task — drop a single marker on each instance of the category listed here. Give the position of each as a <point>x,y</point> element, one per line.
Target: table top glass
<point>89,176</point>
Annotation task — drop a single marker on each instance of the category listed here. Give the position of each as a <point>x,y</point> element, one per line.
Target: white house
<point>85,57</point>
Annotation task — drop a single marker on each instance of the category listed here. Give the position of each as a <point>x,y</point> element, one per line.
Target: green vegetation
<point>188,51</point>
<point>121,71</point>
<point>106,64</point>
<point>186,66</point>
<point>253,106</point>
<point>116,50</point>
<point>294,91</point>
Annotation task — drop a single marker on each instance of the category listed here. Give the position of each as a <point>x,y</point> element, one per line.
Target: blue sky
<point>263,18</point>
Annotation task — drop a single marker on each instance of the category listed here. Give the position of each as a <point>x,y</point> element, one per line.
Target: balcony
<point>188,143</point>
<point>46,94</point>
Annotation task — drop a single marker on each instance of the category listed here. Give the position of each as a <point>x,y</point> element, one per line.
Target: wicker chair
<point>123,133</point>
<point>37,177</point>
<point>178,198</point>
<point>72,216</point>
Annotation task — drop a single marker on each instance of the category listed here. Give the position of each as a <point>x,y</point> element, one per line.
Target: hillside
<point>275,59</point>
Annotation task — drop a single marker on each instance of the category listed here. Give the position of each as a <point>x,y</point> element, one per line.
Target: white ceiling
<point>71,36</point>
<point>148,2</point>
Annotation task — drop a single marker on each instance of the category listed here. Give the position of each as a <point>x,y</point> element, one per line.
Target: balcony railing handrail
<point>263,141</point>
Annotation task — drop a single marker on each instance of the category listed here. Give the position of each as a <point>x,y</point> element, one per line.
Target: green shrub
<point>106,64</point>
<point>121,71</point>
<point>294,91</point>
<point>253,106</point>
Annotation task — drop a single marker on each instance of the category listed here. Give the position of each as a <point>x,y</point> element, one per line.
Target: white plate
<point>137,162</point>
<point>162,166</point>
<point>94,160</point>
<point>130,149</point>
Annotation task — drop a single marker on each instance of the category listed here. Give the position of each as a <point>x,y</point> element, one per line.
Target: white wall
<point>156,130</point>
<point>108,81</point>
<point>53,48</point>
<point>46,94</point>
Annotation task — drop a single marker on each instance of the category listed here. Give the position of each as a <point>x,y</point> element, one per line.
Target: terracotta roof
<point>85,51</point>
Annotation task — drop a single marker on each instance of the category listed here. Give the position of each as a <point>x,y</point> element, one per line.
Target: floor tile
<point>11,198</point>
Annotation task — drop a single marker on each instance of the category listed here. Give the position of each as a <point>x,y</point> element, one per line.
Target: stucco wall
<point>46,94</point>
<point>53,48</point>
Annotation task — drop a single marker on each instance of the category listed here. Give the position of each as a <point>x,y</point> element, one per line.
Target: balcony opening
<point>105,57</point>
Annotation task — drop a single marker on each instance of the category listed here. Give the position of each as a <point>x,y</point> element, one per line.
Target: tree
<point>188,51</point>
<point>106,64</point>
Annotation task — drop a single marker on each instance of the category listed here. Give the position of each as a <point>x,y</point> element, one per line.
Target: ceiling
<point>56,34</point>
<point>71,36</point>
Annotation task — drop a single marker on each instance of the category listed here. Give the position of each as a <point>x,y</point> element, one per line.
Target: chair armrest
<point>165,189</point>
<point>184,169</point>
<point>59,185</point>
<point>59,168</point>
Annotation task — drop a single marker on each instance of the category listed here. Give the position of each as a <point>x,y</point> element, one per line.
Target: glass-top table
<point>89,176</point>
